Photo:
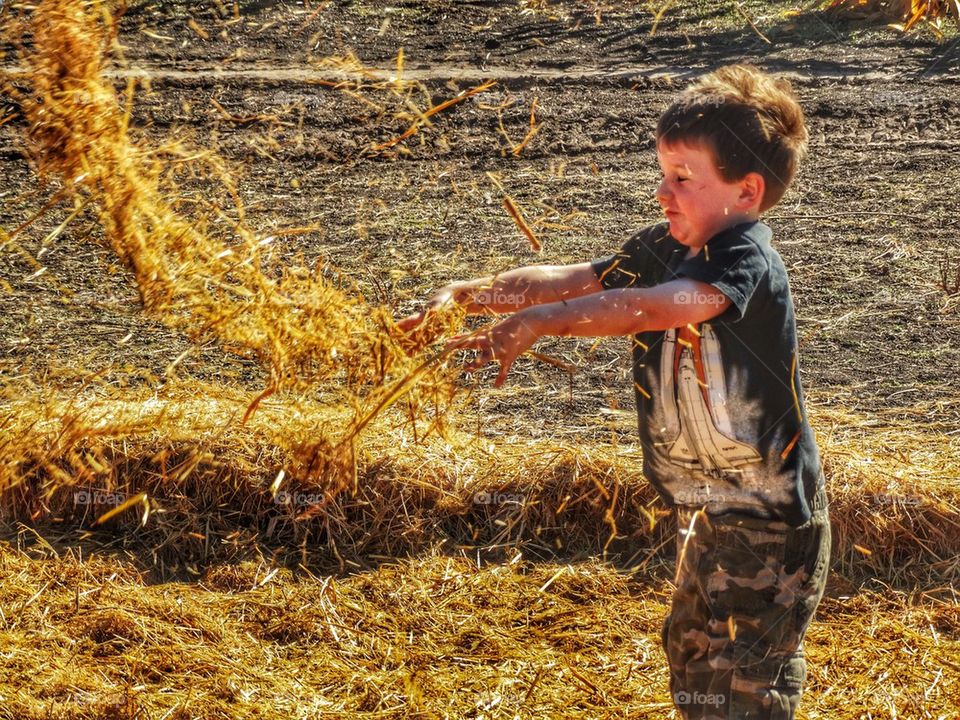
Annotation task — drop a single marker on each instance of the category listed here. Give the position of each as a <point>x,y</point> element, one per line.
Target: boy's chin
<point>678,233</point>
<point>685,237</point>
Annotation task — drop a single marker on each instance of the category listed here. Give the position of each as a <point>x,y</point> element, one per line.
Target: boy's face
<point>697,201</point>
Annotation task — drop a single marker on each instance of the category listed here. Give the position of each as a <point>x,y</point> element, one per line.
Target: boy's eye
<point>682,179</point>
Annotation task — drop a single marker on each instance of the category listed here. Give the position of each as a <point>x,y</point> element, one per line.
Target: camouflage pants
<point>746,592</point>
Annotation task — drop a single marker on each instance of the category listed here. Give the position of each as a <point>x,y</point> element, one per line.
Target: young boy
<point>723,428</point>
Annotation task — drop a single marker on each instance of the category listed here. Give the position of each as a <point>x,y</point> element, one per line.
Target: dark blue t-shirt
<point>721,412</point>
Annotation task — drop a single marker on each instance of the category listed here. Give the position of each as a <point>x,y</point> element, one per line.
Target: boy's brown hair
<point>748,120</point>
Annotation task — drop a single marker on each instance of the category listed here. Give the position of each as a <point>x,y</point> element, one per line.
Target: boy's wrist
<point>536,318</point>
<point>464,293</point>
<point>460,290</point>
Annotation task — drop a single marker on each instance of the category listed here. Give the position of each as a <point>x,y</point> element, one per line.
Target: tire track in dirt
<point>808,72</point>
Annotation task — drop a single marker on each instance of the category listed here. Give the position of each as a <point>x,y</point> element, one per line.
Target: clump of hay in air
<point>308,333</point>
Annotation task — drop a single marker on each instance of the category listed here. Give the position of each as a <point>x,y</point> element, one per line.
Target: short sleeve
<point>635,263</point>
<point>733,263</point>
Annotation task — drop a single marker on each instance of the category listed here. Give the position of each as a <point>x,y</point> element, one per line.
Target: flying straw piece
<point>521,223</point>
<point>906,13</point>
<point>554,577</point>
<point>753,25</point>
<point>658,16</point>
<point>787,450</point>
<point>534,129</point>
<point>195,26</point>
<point>156,36</point>
<point>242,119</point>
<point>415,128</point>
<point>550,360</point>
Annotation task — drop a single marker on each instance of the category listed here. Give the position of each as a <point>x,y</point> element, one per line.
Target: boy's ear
<point>752,188</point>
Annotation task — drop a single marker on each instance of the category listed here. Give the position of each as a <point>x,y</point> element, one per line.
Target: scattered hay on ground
<point>183,486</point>
<point>439,636</point>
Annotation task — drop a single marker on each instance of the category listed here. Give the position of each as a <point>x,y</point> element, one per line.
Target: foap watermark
<point>500,299</point>
<point>298,499</point>
<point>884,499</point>
<point>98,497</point>
<point>498,498</point>
<point>903,97</point>
<point>83,98</point>
<point>699,699</point>
<point>698,298</point>
<point>698,497</point>
<point>713,101</point>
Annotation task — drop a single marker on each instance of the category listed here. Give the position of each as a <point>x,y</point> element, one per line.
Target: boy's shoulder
<point>754,232</point>
<point>741,262</point>
<point>640,260</point>
<point>750,242</point>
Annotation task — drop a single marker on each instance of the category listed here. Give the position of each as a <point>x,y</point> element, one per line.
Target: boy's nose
<point>662,195</point>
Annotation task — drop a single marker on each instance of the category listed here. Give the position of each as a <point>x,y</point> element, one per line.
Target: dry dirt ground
<point>870,235</point>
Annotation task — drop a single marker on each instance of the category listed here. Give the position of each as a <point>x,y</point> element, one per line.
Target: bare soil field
<point>423,606</point>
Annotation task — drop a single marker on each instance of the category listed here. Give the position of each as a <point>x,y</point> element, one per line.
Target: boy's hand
<point>502,342</point>
<point>445,296</point>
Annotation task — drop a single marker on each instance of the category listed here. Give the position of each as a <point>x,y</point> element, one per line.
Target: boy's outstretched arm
<point>607,313</point>
<point>513,290</point>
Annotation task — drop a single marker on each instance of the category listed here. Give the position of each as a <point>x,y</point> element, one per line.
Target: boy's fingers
<point>502,375</point>
<point>468,341</point>
<point>455,343</point>
<point>474,365</point>
<point>411,321</point>
<point>486,356</point>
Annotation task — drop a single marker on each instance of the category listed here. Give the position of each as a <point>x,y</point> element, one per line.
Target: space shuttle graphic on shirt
<point>695,401</point>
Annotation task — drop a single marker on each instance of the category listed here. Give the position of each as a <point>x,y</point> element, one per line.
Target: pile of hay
<point>177,473</point>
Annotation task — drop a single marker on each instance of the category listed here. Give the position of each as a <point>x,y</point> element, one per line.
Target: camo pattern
<point>746,591</point>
